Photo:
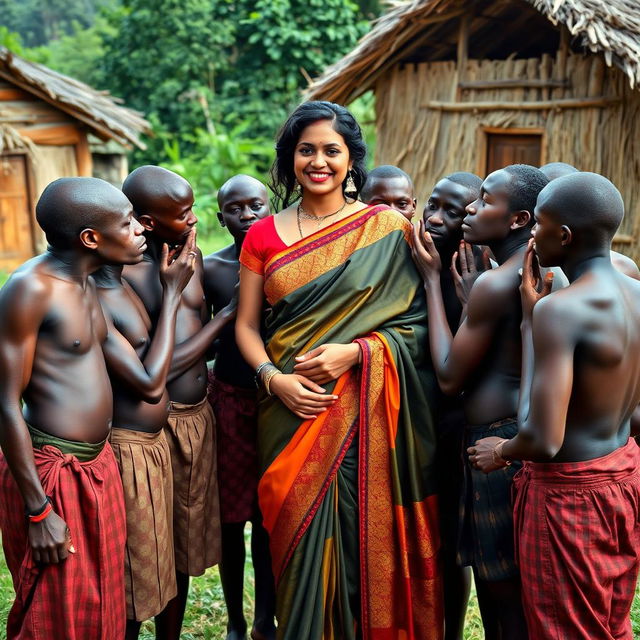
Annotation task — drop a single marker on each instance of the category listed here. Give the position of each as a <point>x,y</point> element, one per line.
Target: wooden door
<point>16,238</point>
<point>505,149</point>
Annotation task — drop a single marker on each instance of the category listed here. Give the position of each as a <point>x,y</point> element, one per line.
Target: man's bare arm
<point>187,353</point>
<point>546,384</point>
<point>456,358</point>
<point>149,377</point>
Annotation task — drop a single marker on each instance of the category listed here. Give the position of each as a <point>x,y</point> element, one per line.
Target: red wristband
<point>41,516</point>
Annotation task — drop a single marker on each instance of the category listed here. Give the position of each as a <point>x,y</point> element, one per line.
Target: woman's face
<point>321,159</point>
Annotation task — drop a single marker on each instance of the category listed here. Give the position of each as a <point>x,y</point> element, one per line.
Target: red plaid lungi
<point>236,412</point>
<point>82,598</point>
<point>577,536</point>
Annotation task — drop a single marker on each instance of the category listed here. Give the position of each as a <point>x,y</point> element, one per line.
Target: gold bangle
<point>266,381</point>
<point>497,453</point>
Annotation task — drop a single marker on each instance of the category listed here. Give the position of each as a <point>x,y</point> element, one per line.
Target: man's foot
<point>236,635</point>
<point>260,635</point>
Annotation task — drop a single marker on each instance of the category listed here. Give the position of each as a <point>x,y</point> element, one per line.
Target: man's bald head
<point>555,170</point>
<point>241,183</point>
<point>69,205</point>
<point>587,203</point>
<point>153,189</point>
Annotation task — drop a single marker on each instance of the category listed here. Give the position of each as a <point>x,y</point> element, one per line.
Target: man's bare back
<point>596,324</point>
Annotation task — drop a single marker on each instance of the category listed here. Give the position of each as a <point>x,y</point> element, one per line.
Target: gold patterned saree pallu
<point>349,498</point>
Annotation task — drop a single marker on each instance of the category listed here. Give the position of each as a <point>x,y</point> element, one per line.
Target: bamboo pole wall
<point>430,142</point>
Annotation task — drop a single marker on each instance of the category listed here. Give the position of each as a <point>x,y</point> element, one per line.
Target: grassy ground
<point>206,617</point>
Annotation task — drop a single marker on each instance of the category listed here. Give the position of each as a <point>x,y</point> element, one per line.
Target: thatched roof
<point>610,27</point>
<point>97,109</point>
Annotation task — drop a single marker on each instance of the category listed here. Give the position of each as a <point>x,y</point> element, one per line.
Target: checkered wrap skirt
<point>81,598</point>
<point>577,534</point>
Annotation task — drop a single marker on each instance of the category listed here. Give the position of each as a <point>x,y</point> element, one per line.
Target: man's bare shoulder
<point>220,261</point>
<point>140,272</point>
<point>625,265</point>
<point>497,284</point>
<point>29,292</point>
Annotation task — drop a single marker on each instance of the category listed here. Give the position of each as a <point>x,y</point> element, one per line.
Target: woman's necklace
<point>303,215</point>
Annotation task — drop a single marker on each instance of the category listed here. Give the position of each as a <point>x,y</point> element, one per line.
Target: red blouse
<point>260,244</point>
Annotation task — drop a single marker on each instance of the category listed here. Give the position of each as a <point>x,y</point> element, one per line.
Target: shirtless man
<point>137,435</point>
<point>483,361</point>
<point>391,186</point>
<point>60,489</point>
<point>442,218</point>
<point>233,395</point>
<point>578,504</point>
<point>163,203</point>
<point>622,263</point>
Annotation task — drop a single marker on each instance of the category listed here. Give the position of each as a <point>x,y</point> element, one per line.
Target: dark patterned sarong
<point>486,515</point>
<point>81,598</point>
<point>578,544</point>
<point>236,413</point>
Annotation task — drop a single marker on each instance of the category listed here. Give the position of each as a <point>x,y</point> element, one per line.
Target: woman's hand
<point>532,287</point>
<point>299,394</point>
<point>327,362</point>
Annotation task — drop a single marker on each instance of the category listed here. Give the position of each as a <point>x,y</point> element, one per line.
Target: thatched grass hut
<point>477,85</point>
<point>49,124</point>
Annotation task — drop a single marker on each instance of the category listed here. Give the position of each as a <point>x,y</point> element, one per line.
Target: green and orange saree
<point>348,498</point>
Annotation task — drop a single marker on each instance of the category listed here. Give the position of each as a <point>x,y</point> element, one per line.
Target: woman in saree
<point>345,430</point>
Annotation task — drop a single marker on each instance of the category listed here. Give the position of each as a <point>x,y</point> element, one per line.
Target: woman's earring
<point>351,185</point>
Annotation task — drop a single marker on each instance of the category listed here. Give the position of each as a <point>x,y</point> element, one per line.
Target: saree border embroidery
<point>332,435</point>
<point>327,249</point>
<point>398,541</point>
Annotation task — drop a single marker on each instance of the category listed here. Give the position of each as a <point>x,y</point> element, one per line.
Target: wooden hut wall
<point>417,131</point>
<point>60,146</point>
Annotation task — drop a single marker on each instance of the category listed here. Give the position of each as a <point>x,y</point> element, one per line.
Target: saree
<point>348,498</point>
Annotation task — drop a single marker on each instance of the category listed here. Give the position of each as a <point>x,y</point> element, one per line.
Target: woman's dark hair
<point>283,179</point>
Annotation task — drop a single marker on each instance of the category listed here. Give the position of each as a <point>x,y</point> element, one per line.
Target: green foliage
<point>197,63</point>
<point>163,58</point>
<point>215,157</point>
<point>40,21</point>
<point>283,43</point>
<point>62,54</point>
<point>11,40</point>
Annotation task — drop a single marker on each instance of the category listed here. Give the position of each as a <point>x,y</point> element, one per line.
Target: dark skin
<point>164,207</point>
<point>483,357</point>
<point>442,218</point>
<point>129,322</point>
<point>396,193</point>
<point>171,222</point>
<point>242,200</point>
<point>51,322</point>
<point>622,263</point>
<point>580,371</point>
